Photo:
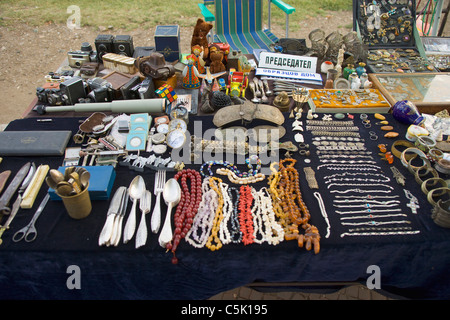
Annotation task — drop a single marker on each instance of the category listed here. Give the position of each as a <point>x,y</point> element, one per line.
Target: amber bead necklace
<point>187,207</point>
<point>213,243</point>
<point>287,193</point>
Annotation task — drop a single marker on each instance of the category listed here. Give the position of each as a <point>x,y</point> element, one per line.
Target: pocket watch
<point>180,112</point>
<point>178,124</point>
<point>163,128</point>
<point>158,138</point>
<point>175,139</point>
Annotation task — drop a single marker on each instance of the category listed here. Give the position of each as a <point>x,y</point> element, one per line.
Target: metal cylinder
<point>151,106</point>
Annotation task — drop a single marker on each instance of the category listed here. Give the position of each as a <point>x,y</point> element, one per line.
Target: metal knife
<point>3,178</point>
<point>119,220</point>
<point>12,187</point>
<point>114,209</point>
<point>16,205</point>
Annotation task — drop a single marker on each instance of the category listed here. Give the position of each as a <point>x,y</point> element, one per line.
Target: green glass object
<point>348,70</point>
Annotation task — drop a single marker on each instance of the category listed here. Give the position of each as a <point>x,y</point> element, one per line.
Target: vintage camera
<point>127,87</point>
<point>77,58</point>
<point>54,97</point>
<point>72,90</point>
<point>101,90</point>
<point>103,45</point>
<point>84,55</point>
<point>41,94</point>
<point>123,45</point>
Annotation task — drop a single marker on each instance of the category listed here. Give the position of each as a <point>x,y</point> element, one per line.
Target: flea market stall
<point>169,175</point>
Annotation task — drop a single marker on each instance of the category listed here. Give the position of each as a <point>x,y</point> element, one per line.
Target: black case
<point>396,34</point>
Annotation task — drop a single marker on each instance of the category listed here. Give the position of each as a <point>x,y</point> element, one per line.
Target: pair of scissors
<point>29,232</point>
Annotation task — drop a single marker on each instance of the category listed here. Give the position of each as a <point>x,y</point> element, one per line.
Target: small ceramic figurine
<point>190,75</point>
<point>199,63</point>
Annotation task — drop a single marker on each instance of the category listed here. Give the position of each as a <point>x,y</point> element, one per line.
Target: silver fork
<point>160,180</point>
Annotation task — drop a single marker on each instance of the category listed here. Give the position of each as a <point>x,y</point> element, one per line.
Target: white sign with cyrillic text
<point>288,62</point>
<point>312,76</point>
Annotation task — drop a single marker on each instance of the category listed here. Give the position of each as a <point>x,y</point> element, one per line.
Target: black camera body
<point>120,44</point>
<point>101,90</point>
<point>123,45</point>
<point>103,45</point>
<point>72,90</point>
<point>127,88</point>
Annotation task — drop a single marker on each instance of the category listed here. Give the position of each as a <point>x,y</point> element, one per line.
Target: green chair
<point>239,23</point>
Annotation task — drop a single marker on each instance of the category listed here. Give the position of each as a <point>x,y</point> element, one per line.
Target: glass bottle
<point>364,77</point>
<point>348,70</point>
<point>360,69</point>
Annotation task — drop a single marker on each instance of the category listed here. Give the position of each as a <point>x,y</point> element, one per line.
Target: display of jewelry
<point>387,27</point>
<point>361,193</point>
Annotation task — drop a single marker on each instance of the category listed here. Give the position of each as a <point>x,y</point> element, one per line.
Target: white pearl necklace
<point>204,219</point>
<point>264,221</point>
<point>227,211</point>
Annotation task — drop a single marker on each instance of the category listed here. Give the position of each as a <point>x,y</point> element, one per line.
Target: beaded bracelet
<point>228,165</point>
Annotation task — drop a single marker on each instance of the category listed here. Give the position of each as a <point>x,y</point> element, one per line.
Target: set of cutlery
<point>112,229</point>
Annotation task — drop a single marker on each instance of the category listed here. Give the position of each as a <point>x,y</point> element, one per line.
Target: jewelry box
<point>388,29</point>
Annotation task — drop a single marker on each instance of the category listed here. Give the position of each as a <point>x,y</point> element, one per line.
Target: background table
<point>412,266</point>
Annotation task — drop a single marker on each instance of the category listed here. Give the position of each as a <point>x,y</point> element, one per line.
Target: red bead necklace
<point>187,207</point>
<point>245,214</point>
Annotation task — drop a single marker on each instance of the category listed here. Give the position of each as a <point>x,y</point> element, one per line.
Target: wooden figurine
<point>197,55</point>
<point>190,74</point>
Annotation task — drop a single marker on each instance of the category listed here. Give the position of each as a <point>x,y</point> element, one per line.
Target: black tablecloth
<point>414,266</point>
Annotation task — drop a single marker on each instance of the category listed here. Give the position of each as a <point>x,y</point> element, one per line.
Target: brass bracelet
<point>407,163</point>
<point>432,192</point>
<point>431,182</point>
<point>429,169</point>
<point>443,166</point>
<point>402,143</point>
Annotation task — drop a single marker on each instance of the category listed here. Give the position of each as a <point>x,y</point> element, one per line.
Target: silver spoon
<point>172,196</point>
<point>136,190</point>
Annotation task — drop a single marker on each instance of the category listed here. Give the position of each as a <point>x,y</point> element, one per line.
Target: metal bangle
<point>411,150</point>
<point>431,182</point>
<point>432,193</point>
<point>428,170</point>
